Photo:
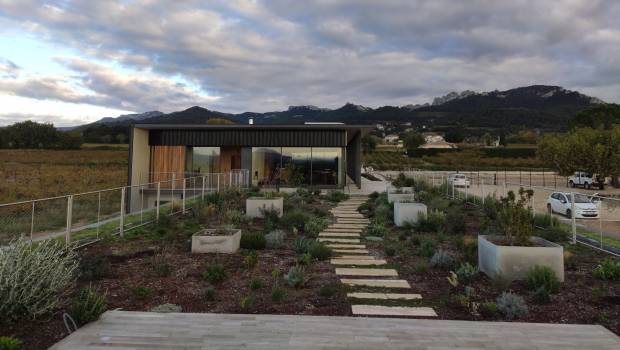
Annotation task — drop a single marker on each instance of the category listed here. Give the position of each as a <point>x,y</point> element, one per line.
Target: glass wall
<point>203,160</point>
<point>326,166</point>
<point>297,166</point>
<point>266,163</point>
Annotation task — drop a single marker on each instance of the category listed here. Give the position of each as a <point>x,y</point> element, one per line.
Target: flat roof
<point>363,128</point>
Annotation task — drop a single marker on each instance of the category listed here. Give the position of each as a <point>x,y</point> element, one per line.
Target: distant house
<point>392,138</point>
<point>435,141</point>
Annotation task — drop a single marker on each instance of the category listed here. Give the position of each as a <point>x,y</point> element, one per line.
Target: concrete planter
<point>514,262</point>
<point>408,212</point>
<point>254,205</point>
<point>216,241</point>
<point>399,194</point>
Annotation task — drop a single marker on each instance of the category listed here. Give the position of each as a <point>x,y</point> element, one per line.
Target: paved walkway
<point>371,280</point>
<point>143,330</point>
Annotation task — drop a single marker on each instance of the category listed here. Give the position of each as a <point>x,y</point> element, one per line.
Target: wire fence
<point>592,219</point>
<point>82,218</point>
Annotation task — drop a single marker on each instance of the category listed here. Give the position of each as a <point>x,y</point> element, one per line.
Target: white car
<point>458,180</point>
<point>560,202</point>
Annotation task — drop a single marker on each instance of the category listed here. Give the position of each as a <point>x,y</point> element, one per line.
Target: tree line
<point>32,135</point>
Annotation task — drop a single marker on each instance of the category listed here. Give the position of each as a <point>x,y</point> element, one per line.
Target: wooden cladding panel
<point>167,162</point>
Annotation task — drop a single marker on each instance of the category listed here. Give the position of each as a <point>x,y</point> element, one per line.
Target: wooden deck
<point>143,330</point>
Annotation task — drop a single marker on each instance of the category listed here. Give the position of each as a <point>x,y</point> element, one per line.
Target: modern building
<point>319,155</point>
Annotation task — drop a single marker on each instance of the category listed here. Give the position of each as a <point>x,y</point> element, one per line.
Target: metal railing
<point>601,232</point>
<point>82,218</point>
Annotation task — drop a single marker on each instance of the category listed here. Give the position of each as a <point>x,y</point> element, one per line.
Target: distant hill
<point>544,107</point>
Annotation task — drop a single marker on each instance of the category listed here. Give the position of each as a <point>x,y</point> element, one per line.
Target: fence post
<point>32,222</point>
<point>121,223</point>
<point>482,190</point>
<point>218,182</point>
<point>203,187</point>
<point>173,199</point>
<point>600,220</point>
<point>98,212</point>
<point>572,216</point>
<point>157,201</point>
<point>69,219</point>
<point>505,189</point>
<point>183,199</point>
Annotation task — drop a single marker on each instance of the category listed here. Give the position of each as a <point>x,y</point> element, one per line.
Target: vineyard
<point>30,174</point>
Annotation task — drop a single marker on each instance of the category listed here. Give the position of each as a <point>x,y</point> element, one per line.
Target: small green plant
<point>453,279</point>
<point>460,301</point>
<point>320,251</point>
<point>295,277</point>
<point>441,259</point>
<point>381,213</point>
<point>208,294</point>
<point>304,259</point>
<point>301,245</point>
<point>554,234</point>
<point>542,277</point>
<point>500,282</point>
<point>256,284</point>
<point>314,225</point>
<point>467,273</point>
<point>514,217</point>
<point>433,222</point>
<point>271,216</point>
<point>377,229</point>
<point>511,306</point>
<point>295,220</point>
<point>141,292</point>
<point>253,241</point>
<point>94,267</point>
<point>545,220</point>
<point>488,309</point>
<point>214,273</point>
<point>277,293</point>
<point>427,248</point>
<point>233,217</point>
<point>10,343</point>
<point>608,270</point>
<point>247,302</point>
<point>166,308</point>
<point>336,196</point>
<point>88,306</point>
<point>276,273</point>
<point>390,251</point>
<point>454,222</point>
<point>329,290</point>
<point>251,259</point>
<point>160,265</point>
<point>542,296</point>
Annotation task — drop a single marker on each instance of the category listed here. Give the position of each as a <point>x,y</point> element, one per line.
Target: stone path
<point>353,259</point>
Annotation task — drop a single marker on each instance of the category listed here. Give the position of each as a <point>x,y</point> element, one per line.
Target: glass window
<point>205,160</point>
<point>326,166</point>
<point>266,165</point>
<point>296,166</point>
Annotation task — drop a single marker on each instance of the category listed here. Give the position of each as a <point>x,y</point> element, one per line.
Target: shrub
<point>141,292</point>
<point>542,296</point>
<point>251,259</point>
<point>382,213</point>
<point>454,222</point>
<point>438,204</point>
<point>253,240</point>
<point>246,302</point>
<point>542,277</point>
<point>511,306</point>
<point>256,284</point>
<point>336,196</point>
<point>441,259</point>
<point>166,308</point>
<point>377,229</point>
<point>208,294</point>
<point>271,216</point>
<point>314,225</point>
<point>304,259</point>
<point>10,343</point>
<point>427,248</point>
<point>500,282</point>
<point>545,220</point>
<point>275,239</point>
<point>160,265</point>
<point>214,273</point>
<point>608,269</point>
<point>301,245</point>
<point>488,309</point>
<point>294,220</point>
<point>432,222</point>
<point>34,278</point>
<point>469,247</point>
<point>329,290</point>
<point>403,181</point>
<point>277,293</point>
<point>94,268</point>
<point>554,234</point>
<point>233,217</point>
<point>467,273</point>
<point>320,251</point>
<point>295,277</point>
<point>460,301</point>
<point>390,251</point>
<point>88,306</point>
<point>514,219</point>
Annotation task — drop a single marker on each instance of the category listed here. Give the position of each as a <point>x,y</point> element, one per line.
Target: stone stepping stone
<point>338,234</point>
<point>374,238</point>
<point>378,310</point>
<point>353,257</point>
<point>376,283</point>
<point>360,262</point>
<point>343,229</point>
<point>351,251</point>
<point>366,272</point>
<point>384,296</point>
<point>347,246</point>
<point>357,221</point>
<point>339,240</point>
<point>347,227</point>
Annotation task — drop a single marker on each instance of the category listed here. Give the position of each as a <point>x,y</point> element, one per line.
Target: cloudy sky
<point>72,62</point>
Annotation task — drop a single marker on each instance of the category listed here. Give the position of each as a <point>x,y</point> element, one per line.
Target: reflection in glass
<point>205,160</point>
<point>296,166</point>
<point>265,166</point>
<point>326,166</point>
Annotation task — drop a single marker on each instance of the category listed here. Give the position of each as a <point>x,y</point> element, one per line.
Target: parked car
<point>560,202</point>
<point>585,180</point>
<point>458,180</point>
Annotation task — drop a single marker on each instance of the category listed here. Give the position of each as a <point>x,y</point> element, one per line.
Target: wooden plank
<point>366,272</point>
<point>380,283</point>
<point>384,296</point>
<point>403,311</point>
<point>360,262</point>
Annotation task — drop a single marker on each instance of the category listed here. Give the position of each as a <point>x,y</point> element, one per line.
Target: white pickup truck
<point>585,180</point>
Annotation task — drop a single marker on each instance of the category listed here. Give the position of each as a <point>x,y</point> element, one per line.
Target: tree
<point>600,116</point>
<point>595,151</point>
<point>219,121</point>
<point>369,143</point>
<point>413,140</point>
<point>455,135</point>
<point>34,135</point>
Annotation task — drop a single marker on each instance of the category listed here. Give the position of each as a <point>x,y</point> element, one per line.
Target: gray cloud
<point>265,55</point>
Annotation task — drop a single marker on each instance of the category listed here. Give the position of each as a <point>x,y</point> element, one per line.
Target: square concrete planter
<point>253,206</point>
<point>400,194</point>
<point>408,212</point>
<point>514,262</point>
<point>216,241</point>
